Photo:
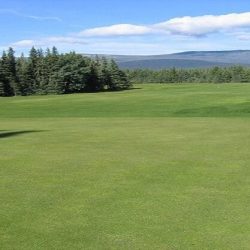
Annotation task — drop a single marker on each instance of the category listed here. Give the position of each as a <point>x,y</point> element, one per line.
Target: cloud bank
<point>49,42</point>
<point>116,30</point>
<point>185,26</point>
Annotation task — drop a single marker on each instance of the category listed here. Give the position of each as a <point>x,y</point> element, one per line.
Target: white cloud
<point>23,43</point>
<point>186,26</point>
<point>38,18</point>
<point>117,30</point>
<point>48,42</point>
<point>203,25</point>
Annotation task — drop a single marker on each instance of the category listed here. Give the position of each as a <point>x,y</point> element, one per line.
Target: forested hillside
<point>234,74</point>
<point>53,73</point>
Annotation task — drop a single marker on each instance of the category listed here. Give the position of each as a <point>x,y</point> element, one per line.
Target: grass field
<point>156,167</point>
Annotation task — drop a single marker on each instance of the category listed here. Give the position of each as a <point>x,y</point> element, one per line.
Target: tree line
<point>48,72</point>
<point>234,74</point>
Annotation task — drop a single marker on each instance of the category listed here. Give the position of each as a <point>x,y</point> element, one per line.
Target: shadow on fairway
<point>17,133</point>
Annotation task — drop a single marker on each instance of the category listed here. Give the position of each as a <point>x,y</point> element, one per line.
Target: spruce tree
<point>104,73</point>
<point>24,76</point>
<point>93,83</point>
<point>2,85</point>
<point>11,65</point>
<point>5,74</point>
<point>32,69</point>
<point>114,76</point>
<point>118,79</point>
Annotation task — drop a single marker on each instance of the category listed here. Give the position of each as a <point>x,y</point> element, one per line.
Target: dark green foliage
<point>118,77</point>
<point>24,77</point>
<point>104,72</point>
<point>210,75</point>
<point>5,77</point>
<point>54,73</point>
<point>93,83</point>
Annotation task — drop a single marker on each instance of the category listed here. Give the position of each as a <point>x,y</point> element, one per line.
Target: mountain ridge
<point>186,59</point>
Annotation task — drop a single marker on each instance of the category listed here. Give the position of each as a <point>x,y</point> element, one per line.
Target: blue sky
<point>125,27</point>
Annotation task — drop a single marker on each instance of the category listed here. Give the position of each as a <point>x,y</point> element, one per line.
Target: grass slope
<point>161,167</point>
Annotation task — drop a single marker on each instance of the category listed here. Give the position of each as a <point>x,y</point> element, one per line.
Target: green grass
<point>161,167</point>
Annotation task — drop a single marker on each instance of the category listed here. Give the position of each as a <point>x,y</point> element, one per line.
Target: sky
<point>141,27</point>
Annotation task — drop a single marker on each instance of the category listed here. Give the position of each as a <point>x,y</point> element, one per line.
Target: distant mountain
<point>169,63</point>
<point>189,59</point>
<point>233,56</point>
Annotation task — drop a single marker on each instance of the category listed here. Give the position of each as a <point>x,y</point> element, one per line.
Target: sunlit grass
<point>161,167</point>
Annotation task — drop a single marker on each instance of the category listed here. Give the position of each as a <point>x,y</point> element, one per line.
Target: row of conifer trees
<point>52,73</point>
<point>233,74</point>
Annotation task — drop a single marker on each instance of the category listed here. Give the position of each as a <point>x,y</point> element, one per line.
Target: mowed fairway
<point>157,167</point>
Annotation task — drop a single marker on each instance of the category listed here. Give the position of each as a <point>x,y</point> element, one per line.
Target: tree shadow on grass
<point>104,91</point>
<point>17,133</point>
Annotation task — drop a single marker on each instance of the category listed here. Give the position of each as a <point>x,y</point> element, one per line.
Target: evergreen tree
<point>2,92</point>
<point>2,84</point>
<point>5,78</point>
<point>93,83</point>
<point>11,64</point>
<point>24,76</point>
<point>115,76</point>
<point>104,74</point>
<point>32,70</point>
<point>51,72</point>
<point>118,78</point>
